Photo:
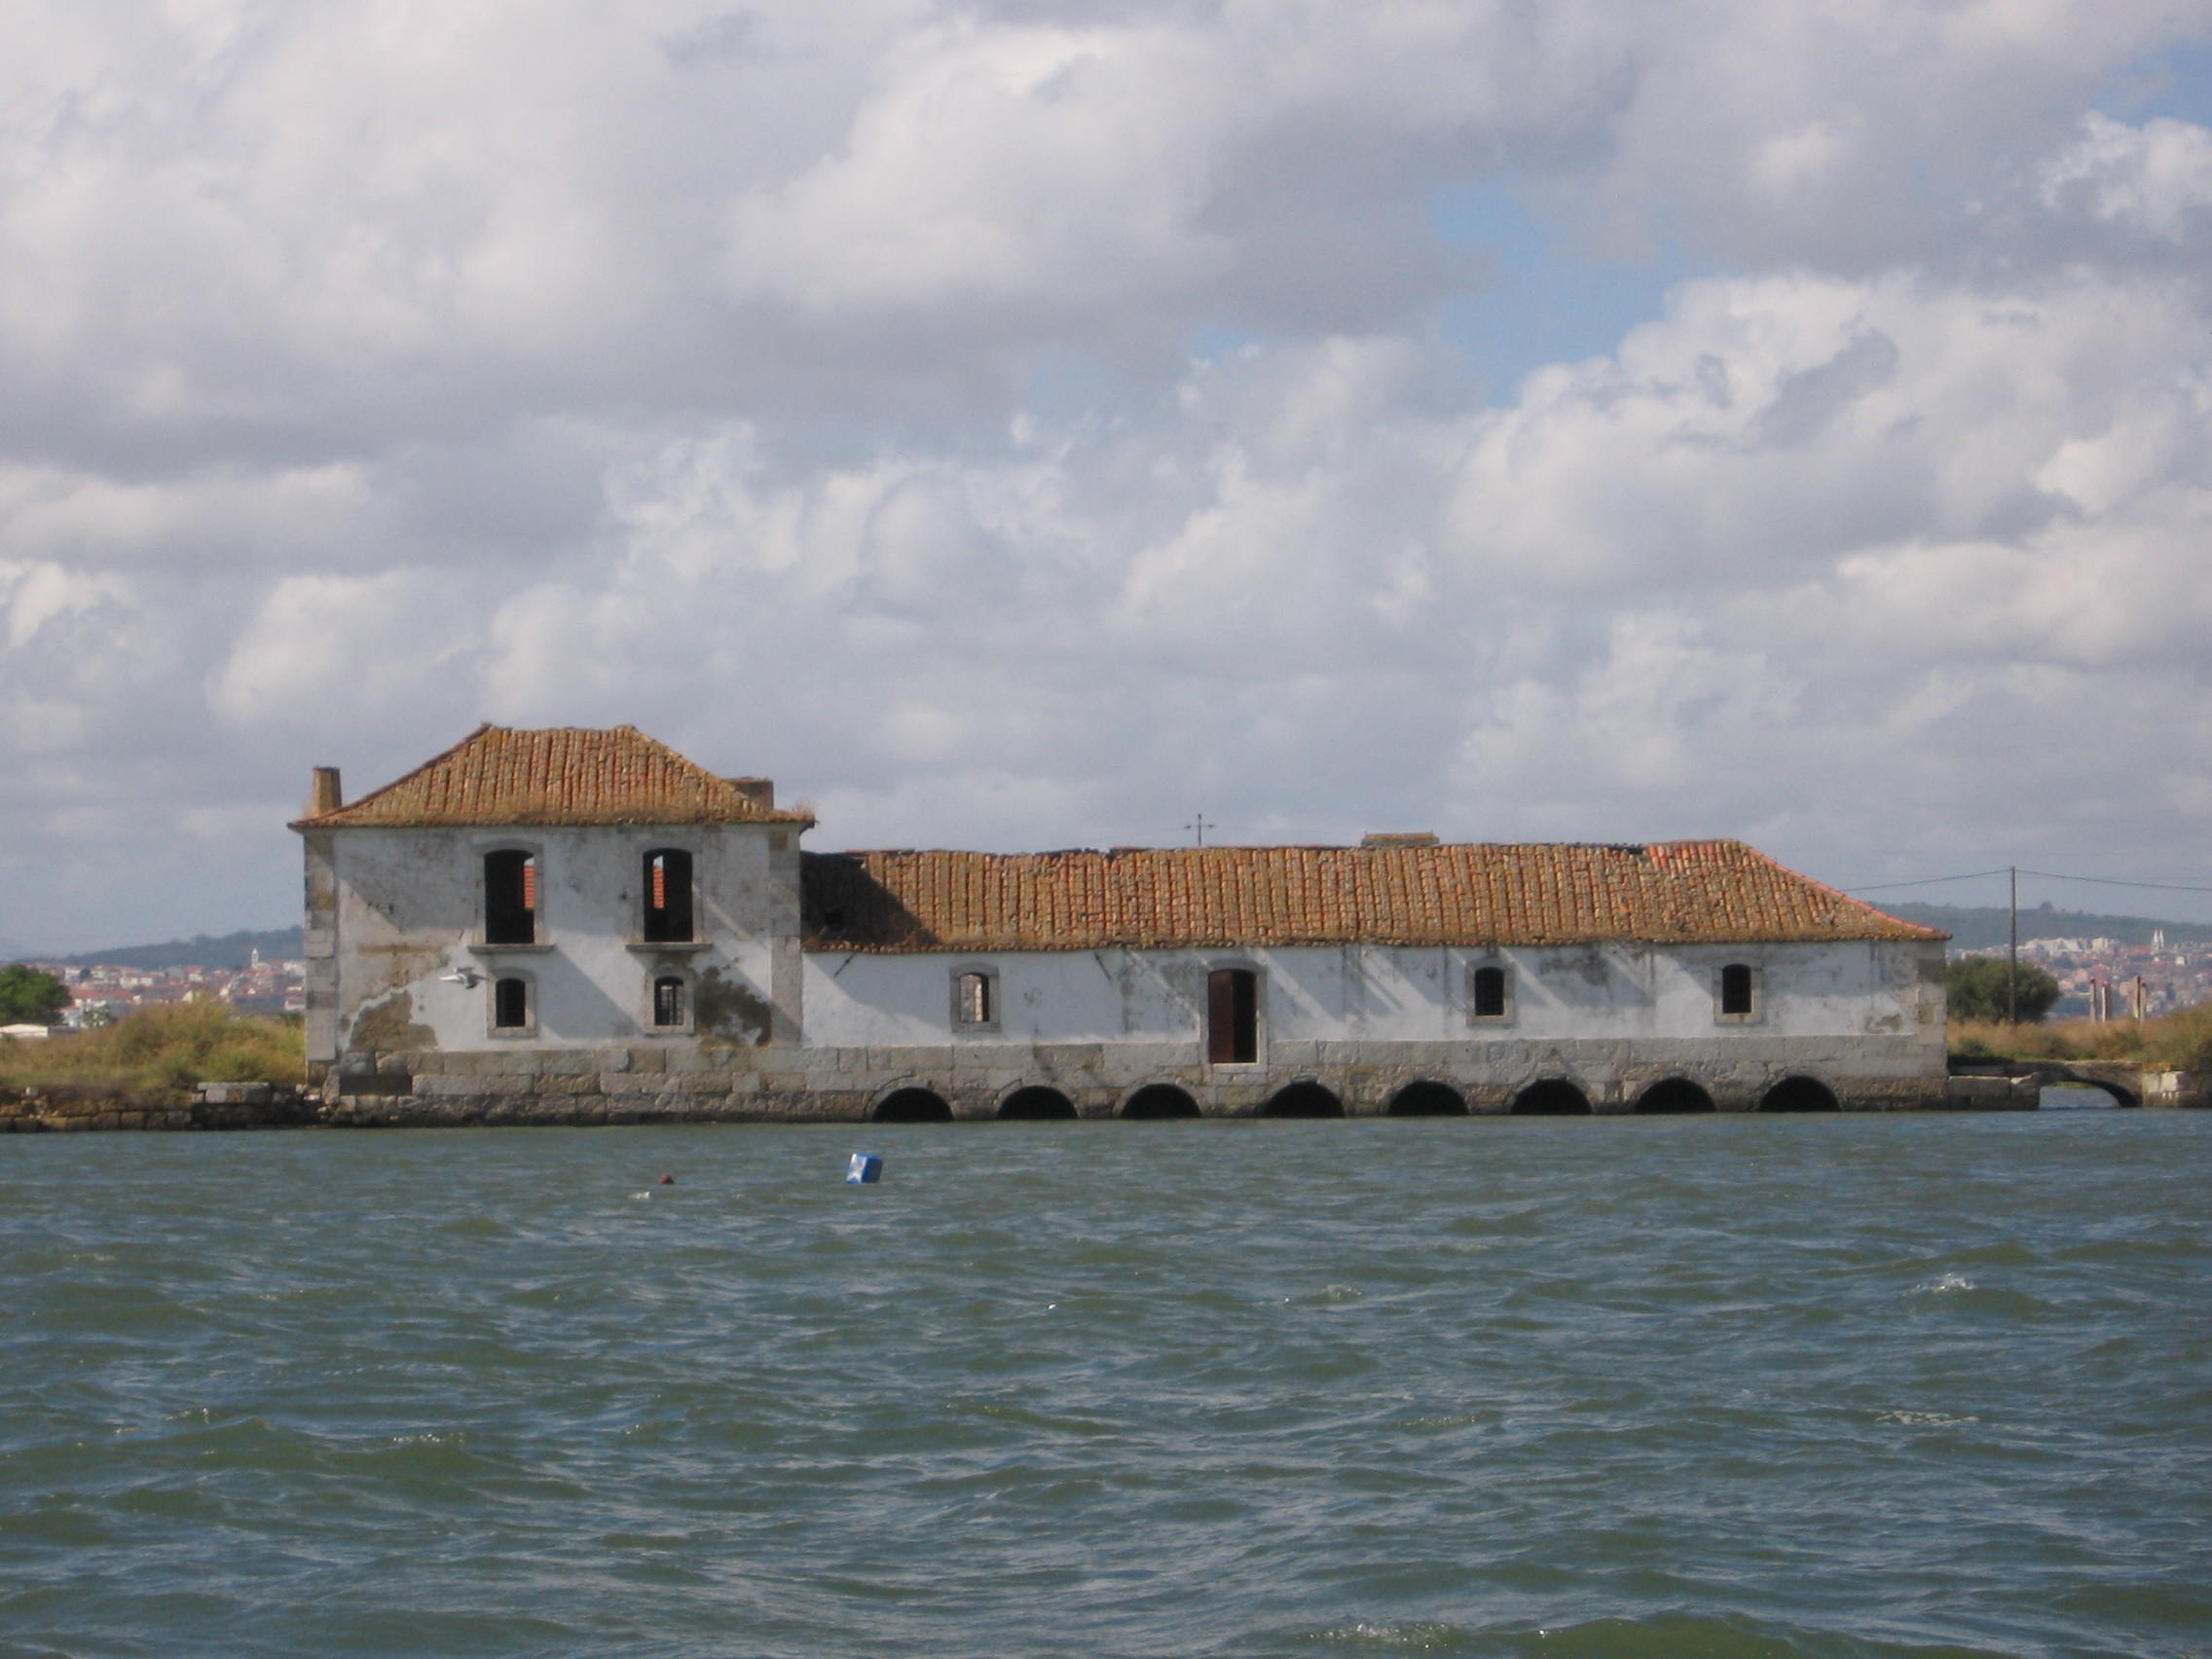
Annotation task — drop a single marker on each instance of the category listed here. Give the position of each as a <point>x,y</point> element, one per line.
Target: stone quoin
<point>578,926</point>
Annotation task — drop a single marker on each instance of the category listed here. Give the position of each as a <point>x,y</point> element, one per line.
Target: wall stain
<point>388,1027</point>
<point>727,1011</point>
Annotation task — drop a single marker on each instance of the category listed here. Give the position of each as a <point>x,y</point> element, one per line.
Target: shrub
<point>29,996</point>
<point>162,1050</point>
<point>1979,988</point>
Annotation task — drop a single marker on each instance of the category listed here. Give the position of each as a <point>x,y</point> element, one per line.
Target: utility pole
<point>2013,970</point>
<point>1198,828</point>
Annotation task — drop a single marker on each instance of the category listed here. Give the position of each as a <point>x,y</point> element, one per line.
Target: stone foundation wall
<point>770,1084</point>
<point>212,1106</point>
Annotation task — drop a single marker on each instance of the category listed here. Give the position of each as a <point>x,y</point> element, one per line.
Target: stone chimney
<point>324,795</point>
<point>758,793</point>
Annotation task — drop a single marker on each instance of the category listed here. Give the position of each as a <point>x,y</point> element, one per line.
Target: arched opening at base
<point>913,1106</point>
<point>2065,1092</point>
<point>1159,1100</point>
<point>1800,1095</point>
<point>1036,1105</point>
<point>1427,1101</point>
<point>1551,1097</point>
<point>1303,1100</point>
<point>1671,1096</point>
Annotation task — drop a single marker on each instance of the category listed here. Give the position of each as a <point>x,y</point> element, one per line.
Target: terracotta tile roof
<point>497,775</point>
<point>1681,892</point>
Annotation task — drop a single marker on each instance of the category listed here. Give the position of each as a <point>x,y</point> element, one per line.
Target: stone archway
<point>1303,1100</point>
<point>1036,1104</point>
<point>1159,1101</point>
<point>1425,1099</point>
<point>1551,1097</point>
<point>913,1106</point>
<point>1671,1096</point>
<point>1800,1094</point>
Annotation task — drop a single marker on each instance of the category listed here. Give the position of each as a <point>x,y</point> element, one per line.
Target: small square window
<point>672,1002</point>
<point>511,1010</point>
<point>1489,994</point>
<point>976,1000</point>
<point>1736,996</point>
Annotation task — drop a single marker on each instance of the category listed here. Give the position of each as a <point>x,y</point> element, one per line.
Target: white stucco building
<point>579,925</point>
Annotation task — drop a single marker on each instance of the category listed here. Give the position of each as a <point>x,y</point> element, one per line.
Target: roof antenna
<point>1198,828</point>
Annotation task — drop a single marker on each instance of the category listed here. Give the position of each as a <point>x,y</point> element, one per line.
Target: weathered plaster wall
<point>781,1033</point>
<point>1377,993</point>
<point>406,907</point>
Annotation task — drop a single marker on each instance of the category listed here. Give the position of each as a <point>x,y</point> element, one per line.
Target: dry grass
<point>2181,1039</point>
<point>160,1052</point>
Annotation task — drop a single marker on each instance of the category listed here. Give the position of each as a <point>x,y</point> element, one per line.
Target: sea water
<point>1743,1387</point>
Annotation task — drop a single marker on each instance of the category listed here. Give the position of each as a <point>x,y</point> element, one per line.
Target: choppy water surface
<point>1739,1388</point>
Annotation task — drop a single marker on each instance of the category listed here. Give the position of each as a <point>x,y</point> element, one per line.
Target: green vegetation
<point>160,1052</point>
<point>1981,988</point>
<point>30,997</point>
<point>2181,1041</point>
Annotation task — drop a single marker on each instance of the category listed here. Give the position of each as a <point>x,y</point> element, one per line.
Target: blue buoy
<point>864,1170</point>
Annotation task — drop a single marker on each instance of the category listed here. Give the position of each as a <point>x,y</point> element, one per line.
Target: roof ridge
<point>500,776</point>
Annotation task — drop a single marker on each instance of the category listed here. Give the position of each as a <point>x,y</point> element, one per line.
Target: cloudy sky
<point>1036,422</point>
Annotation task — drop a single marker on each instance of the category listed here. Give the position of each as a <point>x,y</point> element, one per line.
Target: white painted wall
<point>1368,992</point>
<point>410,909</point>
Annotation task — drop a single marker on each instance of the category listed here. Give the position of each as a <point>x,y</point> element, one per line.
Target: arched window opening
<point>667,897</point>
<point>1303,1100</point>
<point>913,1106</point>
<point>1487,993</point>
<point>1427,1101</point>
<point>511,1004</point>
<point>510,898</point>
<point>672,1001</point>
<point>1551,1097</point>
<point>1036,1104</point>
<point>1737,983</point>
<point>1800,1094</point>
<point>1673,1096</point>
<point>1159,1100</point>
<point>1232,1016</point>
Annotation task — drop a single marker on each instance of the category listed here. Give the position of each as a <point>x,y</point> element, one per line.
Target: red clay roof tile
<point>499,775</point>
<point>1677,893</point>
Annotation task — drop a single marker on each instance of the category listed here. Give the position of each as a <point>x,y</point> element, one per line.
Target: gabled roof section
<point>561,775</point>
<point>1674,892</point>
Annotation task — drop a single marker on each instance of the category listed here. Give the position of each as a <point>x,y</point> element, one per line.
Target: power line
<point>2047,875</point>
<point>2107,882</point>
<point>1931,881</point>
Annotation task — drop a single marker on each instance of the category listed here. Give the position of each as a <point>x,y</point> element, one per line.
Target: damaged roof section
<point>1671,893</point>
<point>500,776</point>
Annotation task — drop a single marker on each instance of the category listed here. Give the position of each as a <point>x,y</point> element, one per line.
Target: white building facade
<point>578,926</point>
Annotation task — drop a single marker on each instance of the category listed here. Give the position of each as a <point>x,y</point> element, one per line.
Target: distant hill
<point>231,951</point>
<point>1978,927</point>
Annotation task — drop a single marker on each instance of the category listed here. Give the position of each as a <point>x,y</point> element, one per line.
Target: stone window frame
<point>1259,972</point>
<point>695,857</point>
<point>1505,1016</point>
<point>527,1029</point>
<point>540,927</point>
<point>1756,1011</point>
<point>689,1025</point>
<point>956,984</point>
